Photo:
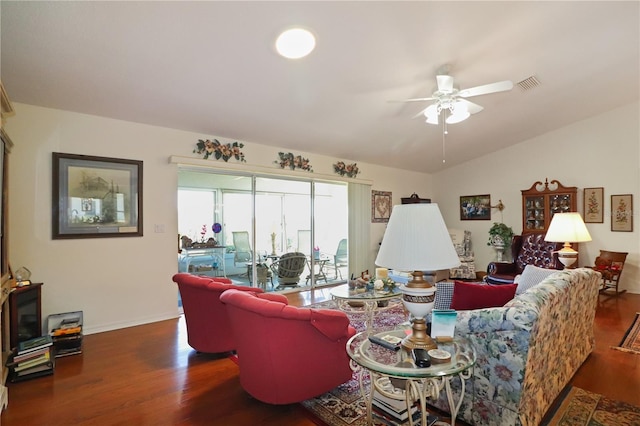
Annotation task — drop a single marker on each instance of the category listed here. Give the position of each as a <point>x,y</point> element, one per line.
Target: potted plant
<point>500,236</point>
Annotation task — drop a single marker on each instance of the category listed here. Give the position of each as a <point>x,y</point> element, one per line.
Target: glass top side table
<point>381,364</point>
<point>370,300</point>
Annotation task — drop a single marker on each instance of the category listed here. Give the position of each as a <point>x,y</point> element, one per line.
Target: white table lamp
<point>567,228</point>
<point>417,240</point>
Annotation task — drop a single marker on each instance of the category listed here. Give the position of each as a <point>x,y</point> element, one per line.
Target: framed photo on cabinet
<point>96,197</point>
<point>622,213</point>
<point>593,205</point>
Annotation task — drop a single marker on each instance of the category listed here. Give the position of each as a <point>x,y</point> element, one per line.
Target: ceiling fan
<point>451,101</point>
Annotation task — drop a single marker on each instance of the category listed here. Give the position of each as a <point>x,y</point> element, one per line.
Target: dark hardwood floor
<point>148,375</point>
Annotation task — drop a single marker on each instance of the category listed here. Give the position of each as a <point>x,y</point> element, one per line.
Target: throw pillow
<point>531,276</point>
<point>468,296</point>
<point>444,294</point>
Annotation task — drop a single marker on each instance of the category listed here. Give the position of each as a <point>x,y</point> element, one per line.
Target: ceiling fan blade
<point>500,86</point>
<point>415,100</point>
<point>445,83</point>
<point>471,107</point>
<point>420,114</point>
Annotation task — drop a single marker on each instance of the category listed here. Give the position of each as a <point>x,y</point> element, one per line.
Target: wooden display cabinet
<point>25,309</point>
<point>542,201</point>
<point>6,277</point>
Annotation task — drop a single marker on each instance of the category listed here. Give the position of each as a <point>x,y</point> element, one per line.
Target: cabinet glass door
<point>535,213</point>
<point>560,203</point>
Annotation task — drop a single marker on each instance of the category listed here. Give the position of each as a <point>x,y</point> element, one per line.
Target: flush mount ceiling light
<point>295,43</point>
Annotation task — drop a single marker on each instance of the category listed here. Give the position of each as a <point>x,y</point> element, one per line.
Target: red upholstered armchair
<point>206,317</point>
<point>528,249</point>
<point>287,354</point>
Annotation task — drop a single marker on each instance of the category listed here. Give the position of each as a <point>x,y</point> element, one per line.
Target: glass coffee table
<point>351,300</point>
<point>382,365</point>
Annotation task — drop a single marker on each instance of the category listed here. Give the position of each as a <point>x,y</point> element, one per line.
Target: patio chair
<point>243,254</point>
<point>340,258</point>
<point>288,268</point>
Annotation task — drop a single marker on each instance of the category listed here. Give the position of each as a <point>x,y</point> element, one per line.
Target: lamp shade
<point>567,227</point>
<point>417,239</point>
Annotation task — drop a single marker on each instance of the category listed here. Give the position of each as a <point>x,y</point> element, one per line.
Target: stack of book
<point>394,412</point>
<point>32,358</point>
<point>66,332</point>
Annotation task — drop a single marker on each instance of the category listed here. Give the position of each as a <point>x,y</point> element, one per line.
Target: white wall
<point>119,282</point>
<point>603,151</point>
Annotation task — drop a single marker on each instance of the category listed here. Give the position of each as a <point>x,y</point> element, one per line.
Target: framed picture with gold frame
<point>475,207</point>
<point>380,206</point>
<point>622,213</point>
<point>593,205</point>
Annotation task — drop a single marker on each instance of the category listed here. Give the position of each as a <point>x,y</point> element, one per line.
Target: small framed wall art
<point>622,213</point>
<point>475,207</point>
<point>96,197</point>
<point>380,206</point>
<point>593,205</point>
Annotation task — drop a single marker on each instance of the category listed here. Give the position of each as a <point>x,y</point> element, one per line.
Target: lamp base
<point>567,256</point>
<point>419,337</point>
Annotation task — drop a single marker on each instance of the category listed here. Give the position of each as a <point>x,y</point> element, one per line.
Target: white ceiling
<point>211,68</point>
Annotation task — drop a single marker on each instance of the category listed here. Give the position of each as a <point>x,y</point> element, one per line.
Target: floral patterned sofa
<point>528,350</point>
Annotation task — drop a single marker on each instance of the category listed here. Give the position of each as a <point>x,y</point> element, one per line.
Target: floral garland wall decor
<point>287,159</point>
<point>349,170</point>
<point>220,150</point>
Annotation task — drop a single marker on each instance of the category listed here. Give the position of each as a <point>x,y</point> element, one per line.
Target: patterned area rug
<point>383,319</point>
<point>582,408</point>
<point>631,340</point>
<point>344,405</point>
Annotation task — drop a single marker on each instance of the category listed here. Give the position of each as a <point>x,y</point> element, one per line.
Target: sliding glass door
<point>266,220</point>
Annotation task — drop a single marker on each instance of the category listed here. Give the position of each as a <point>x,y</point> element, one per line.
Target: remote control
<point>421,357</point>
<point>384,343</point>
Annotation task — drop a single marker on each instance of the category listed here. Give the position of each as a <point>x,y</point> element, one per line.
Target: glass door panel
<point>331,220</point>
<point>282,214</point>
<point>283,221</point>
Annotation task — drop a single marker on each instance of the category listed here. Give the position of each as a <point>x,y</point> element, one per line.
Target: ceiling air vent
<point>529,83</point>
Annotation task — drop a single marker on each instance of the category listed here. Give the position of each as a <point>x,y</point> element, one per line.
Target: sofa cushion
<point>473,296</point>
<point>531,276</point>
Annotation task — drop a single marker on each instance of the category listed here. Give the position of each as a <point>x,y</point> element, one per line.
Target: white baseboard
<point>125,324</point>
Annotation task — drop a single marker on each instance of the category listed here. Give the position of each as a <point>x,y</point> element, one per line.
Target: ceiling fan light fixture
<point>295,43</point>
<point>432,112</point>
<point>457,118</point>
<point>460,113</point>
<point>432,119</point>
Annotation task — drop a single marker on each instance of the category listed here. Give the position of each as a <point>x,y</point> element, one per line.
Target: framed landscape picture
<point>593,205</point>
<point>622,213</point>
<point>96,197</point>
<point>380,206</point>
<point>475,207</point>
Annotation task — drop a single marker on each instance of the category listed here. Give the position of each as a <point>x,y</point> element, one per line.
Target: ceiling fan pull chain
<point>444,132</point>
